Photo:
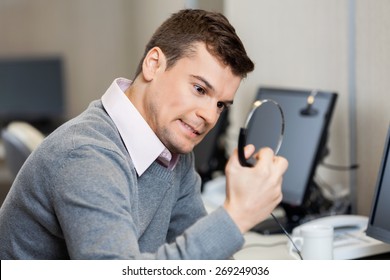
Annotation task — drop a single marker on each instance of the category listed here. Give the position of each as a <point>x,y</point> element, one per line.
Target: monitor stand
<point>293,218</point>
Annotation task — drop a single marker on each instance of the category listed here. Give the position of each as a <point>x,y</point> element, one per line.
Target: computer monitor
<point>31,89</point>
<point>307,115</point>
<point>379,221</point>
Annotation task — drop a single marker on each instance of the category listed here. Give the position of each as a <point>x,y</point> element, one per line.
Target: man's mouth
<point>190,128</point>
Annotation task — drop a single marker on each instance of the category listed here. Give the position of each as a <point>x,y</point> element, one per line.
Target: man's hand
<point>252,193</point>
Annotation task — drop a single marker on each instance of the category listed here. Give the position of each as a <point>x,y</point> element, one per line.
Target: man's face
<point>183,103</point>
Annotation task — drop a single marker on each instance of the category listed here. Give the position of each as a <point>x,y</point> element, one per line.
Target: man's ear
<point>153,62</point>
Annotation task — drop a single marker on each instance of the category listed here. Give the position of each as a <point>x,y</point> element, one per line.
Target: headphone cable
<point>288,235</point>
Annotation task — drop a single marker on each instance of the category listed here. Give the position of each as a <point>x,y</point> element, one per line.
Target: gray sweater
<point>78,196</point>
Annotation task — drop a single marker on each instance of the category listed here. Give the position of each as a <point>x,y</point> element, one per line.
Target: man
<point>118,181</point>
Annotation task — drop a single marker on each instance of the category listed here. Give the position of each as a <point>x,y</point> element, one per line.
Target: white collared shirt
<point>140,140</point>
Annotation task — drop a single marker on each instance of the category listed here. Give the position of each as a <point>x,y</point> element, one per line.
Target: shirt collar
<point>140,140</point>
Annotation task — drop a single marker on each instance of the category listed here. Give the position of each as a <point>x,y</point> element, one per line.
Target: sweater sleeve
<point>214,236</point>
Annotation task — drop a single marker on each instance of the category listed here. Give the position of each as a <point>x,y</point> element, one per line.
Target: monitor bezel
<point>374,230</point>
<point>323,137</point>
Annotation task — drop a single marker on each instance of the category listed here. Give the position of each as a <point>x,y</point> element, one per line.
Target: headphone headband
<point>243,131</point>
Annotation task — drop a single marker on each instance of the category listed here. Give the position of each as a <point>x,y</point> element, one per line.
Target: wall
<point>91,36</point>
<point>307,44</point>
<point>373,92</point>
<point>98,40</point>
<point>296,44</point>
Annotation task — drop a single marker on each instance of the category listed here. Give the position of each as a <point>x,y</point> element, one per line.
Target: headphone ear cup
<point>241,147</point>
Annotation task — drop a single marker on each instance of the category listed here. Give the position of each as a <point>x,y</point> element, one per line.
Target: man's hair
<point>177,36</point>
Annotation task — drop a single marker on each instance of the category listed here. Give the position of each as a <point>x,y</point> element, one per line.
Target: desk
<point>275,247</point>
<point>264,247</point>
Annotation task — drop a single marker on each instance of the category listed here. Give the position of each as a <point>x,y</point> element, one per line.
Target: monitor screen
<point>31,89</point>
<point>304,138</point>
<point>379,221</point>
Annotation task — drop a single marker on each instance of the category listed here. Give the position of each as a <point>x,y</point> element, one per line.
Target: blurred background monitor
<point>210,154</point>
<point>379,221</point>
<point>307,116</point>
<point>31,89</point>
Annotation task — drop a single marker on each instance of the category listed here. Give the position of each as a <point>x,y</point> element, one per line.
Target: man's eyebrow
<point>230,102</point>
<point>204,81</point>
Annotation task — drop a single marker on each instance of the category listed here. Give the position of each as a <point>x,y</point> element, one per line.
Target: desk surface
<point>355,245</point>
<point>264,247</point>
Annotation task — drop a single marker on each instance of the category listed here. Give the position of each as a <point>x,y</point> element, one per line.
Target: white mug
<point>315,242</point>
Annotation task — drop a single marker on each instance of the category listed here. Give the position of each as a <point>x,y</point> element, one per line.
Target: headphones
<point>307,111</point>
<point>243,130</point>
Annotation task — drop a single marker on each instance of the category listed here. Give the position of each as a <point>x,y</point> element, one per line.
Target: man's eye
<point>199,89</point>
<point>222,106</point>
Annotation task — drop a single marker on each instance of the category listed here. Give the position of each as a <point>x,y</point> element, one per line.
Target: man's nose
<point>209,113</point>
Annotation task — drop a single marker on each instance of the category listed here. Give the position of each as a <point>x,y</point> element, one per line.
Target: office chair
<point>19,140</point>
